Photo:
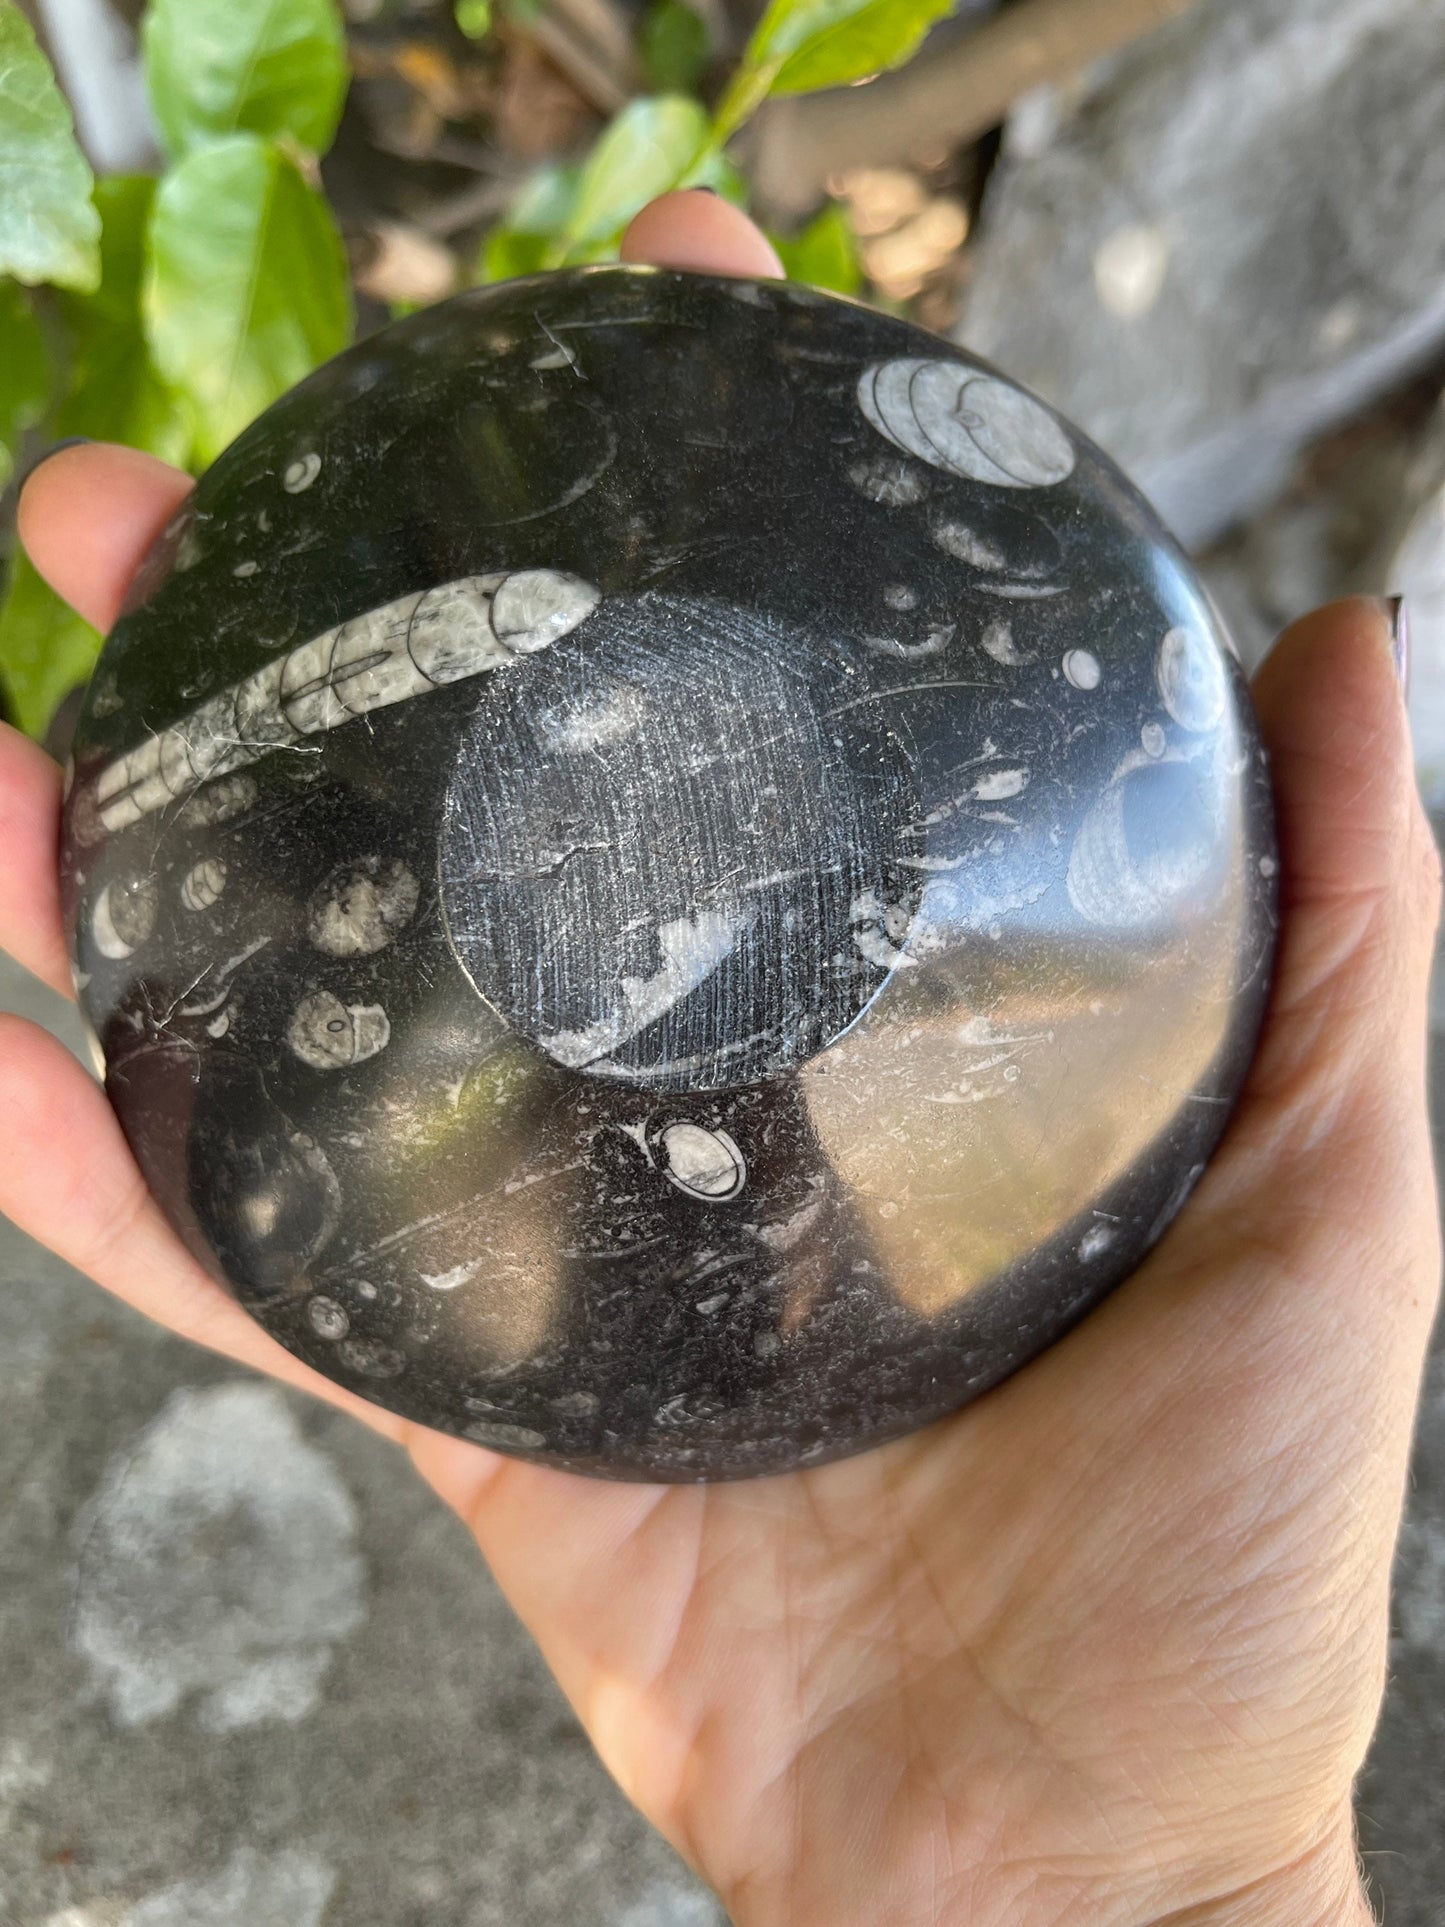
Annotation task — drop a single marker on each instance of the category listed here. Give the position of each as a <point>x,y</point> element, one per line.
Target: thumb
<point>1360,877</point>
<point>1329,1150</point>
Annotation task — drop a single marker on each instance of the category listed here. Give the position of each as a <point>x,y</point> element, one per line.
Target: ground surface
<point>253,1675</point>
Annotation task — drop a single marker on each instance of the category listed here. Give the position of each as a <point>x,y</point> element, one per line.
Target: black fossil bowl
<point>672,874</point>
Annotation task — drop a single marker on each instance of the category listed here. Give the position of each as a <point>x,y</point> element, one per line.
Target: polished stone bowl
<point>673,875</point>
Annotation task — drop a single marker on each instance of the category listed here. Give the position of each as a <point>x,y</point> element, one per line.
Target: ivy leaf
<point>246,288</point>
<point>825,254</point>
<point>116,395</point>
<point>672,43</point>
<point>801,45</point>
<point>48,227</point>
<point>24,374</point>
<point>45,648</point>
<point>270,67</point>
<point>654,144</point>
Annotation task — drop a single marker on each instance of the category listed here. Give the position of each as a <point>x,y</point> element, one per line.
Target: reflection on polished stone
<point>672,875</point>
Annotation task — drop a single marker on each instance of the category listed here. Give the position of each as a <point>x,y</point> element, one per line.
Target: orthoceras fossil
<point>417,643</point>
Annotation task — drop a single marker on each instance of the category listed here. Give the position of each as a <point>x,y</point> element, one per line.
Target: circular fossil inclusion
<point>673,875</point>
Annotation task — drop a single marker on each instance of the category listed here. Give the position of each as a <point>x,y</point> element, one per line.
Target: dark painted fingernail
<point>70,441</point>
<point>1398,611</point>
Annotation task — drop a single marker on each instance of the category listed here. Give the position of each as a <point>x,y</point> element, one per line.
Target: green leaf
<point>508,252</point>
<point>654,144</point>
<point>24,374</point>
<point>246,289</point>
<point>474,17</point>
<point>45,648</point>
<point>48,228</point>
<point>825,254</point>
<point>673,45</point>
<point>801,45</point>
<point>520,244</point>
<point>116,395</point>
<point>270,67</point>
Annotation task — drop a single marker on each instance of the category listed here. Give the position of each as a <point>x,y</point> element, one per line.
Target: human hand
<point>1108,1646</point>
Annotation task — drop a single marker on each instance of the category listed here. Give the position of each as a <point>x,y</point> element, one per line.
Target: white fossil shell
<point>123,916</point>
<point>331,1036</point>
<point>1113,889</point>
<point>965,423</point>
<point>204,882</point>
<point>705,1164</point>
<point>1190,674</point>
<point>1081,668</point>
<point>404,649</point>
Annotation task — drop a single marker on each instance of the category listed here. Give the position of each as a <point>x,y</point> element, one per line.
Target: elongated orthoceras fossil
<point>417,643</point>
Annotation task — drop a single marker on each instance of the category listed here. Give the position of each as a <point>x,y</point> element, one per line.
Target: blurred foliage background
<point>321,169</point>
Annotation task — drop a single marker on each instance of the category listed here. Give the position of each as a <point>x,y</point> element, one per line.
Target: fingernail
<point>699,188</point>
<point>70,441</point>
<point>1398,612</point>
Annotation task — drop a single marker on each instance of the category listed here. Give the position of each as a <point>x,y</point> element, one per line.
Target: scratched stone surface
<point>672,875</point>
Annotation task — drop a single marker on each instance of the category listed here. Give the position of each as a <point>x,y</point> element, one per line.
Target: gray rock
<point>1230,243</point>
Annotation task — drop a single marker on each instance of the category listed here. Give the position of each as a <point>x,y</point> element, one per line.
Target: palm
<point>1102,1647</point>
<point>1115,1604</point>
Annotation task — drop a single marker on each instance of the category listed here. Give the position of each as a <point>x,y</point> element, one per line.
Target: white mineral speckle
<point>791,1230</point>
<point>1153,739</point>
<point>370,1358</point>
<point>218,802</point>
<point>997,641</point>
<point>449,1280</point>
<point>575,1404</point>
<point>328,1318</point>
<point>606,715</point>
<point>1095,1240</point>
<point>361,906</point>
<point>502,1435</point>
<point>999,784</point>
<point>968,545</point>
<point>893,484</point>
